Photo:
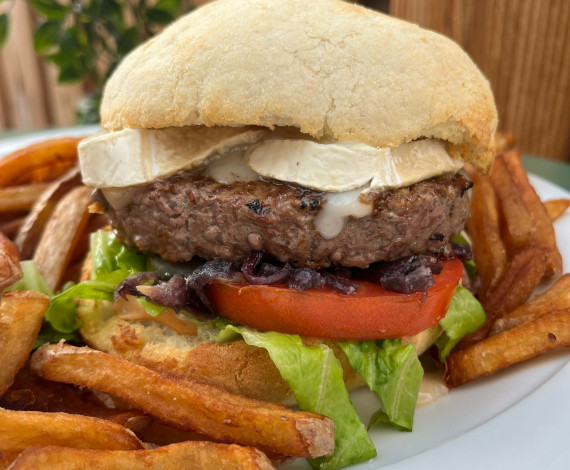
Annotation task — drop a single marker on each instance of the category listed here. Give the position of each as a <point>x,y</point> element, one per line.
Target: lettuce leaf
<point>31,279</point>
<point>315,376</point>
<point>464,315</point>
<point>393,372</point>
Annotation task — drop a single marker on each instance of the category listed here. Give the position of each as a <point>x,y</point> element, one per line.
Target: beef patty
<point>190,215</point>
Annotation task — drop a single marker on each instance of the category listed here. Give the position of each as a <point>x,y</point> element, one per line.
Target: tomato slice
<point>371,313</point>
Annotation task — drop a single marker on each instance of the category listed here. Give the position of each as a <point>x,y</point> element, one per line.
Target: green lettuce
<point>111,263</point>
<point>469,265</point>
<point>393,372</point>
<point>464,315</point>
<point>31,279</point>
<point>315,376</point>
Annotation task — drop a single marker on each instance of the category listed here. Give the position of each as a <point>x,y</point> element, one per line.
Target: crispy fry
<point>61,235</point>
<point>504,141</point>
<point>21,314</point>
<point>556,207</point>
<point>33,227</point>
<point>32,393</point>
<point>521,277</point>
<point>555,298</point>
<point>6,459</point>
<point>11,224</point>
<point>189,405</point>
<point>20,198</point>
<point>22,429</point>
<point>38,163</point>
<point>531,339</point>
<point>545,236</point>
<point>518,224</point>
<point>194,455</point>
<point>483,228</point>
<point>10,269</point>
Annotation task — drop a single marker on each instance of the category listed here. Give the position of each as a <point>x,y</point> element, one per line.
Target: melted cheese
<point>336,210</point>
<point>344,171</point>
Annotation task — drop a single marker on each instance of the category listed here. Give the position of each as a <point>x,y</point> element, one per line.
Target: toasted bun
<point>236,367</point>
<point>331,69</point>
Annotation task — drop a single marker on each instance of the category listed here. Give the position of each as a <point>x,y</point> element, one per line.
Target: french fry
<point>11,225</point>
<point>555,298</point>
<point>10,269</point>
<point>20,198</point>
<point>33,227</point>
<point>556,207</point>
<point>194,455</point>
<point>484,231</point>
<point>519,226</point>
<point>545,236</point>
<point>521,277</point>
<point>504,141</point>
<point>38,163</point>
<point>61,235</point>
<point>189,405</point>
<point>6,459</point>
<point>550,331</point>
<point>21,314</point>
<point>22,429</point>
<point>32,393</point>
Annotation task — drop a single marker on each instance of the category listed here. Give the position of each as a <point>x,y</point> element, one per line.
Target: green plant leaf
<point>161,17</point>
<point>50,9</point>
<point>87,109</point>
<point>46,37</point>
<point>171,6</point>
<point>3,29</point>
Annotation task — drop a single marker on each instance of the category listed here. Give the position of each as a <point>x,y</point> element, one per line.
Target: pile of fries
<point>89,409</point>
<point>136,417</point>
<point>514,247</point>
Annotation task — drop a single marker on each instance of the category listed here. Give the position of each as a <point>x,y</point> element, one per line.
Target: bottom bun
<point>236,367</point>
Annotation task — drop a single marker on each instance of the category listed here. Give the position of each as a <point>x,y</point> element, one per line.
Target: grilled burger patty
<point>191,215</point>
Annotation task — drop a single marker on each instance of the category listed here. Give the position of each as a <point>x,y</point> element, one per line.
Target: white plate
<point>517,419</point>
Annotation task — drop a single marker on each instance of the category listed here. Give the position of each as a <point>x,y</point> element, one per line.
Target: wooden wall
<point>29,94</point>
<point>522,46</point>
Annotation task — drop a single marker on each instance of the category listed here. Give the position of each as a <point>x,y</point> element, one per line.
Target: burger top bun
<point>331,69</point>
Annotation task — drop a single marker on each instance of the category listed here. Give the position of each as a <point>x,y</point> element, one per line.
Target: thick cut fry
<point>20,198</point>
<point>484,231</point>
<point>33,227</point>
<point>555,298</point>
<point>521,277</point>
<point>536,337</point>
<point>10,269</point>
<point>38,163</point>
<point>6,459</point>
<point>189,405</point>
<point>518,224</point>
<point>61,235</point>
<point>504,141</point>
<point>545,236</point>
<point>21,314</point>
<point>22,429</point>
<point>556,207</point>
<point>195,455</point>
<point>11,225</point>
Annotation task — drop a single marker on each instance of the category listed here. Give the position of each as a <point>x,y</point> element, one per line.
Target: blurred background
<point>56,56</point>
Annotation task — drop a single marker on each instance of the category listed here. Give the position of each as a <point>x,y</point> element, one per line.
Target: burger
<point>284,183</point>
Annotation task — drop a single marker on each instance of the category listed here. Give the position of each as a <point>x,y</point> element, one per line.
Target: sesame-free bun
<point>331,69</point>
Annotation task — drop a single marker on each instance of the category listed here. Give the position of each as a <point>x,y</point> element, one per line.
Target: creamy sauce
<point>432,388</point>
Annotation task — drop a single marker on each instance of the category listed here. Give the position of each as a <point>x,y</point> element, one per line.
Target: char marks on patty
<point>190,215</point>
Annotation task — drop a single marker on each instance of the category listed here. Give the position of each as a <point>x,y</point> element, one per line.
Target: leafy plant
<point>86,39</point>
